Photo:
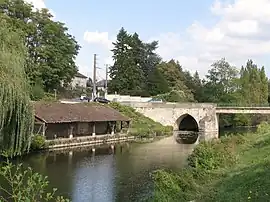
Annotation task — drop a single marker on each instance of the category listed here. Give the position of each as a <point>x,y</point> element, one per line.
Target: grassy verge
<point>141,125</point>
<point>234,168</point>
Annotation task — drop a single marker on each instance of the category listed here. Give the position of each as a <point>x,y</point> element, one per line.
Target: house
<point>60,120</point>
<point>79,80</point>
<point>101,85</point>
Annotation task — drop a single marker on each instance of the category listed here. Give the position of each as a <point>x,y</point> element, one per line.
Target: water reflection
<point>109,172</point>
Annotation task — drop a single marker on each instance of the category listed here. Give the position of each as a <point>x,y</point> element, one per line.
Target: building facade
<point>59,120</point>
<point>79,81</point>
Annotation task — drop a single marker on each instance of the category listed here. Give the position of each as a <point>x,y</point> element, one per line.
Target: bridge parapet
<point>169,105</point>
<point>242,105</point>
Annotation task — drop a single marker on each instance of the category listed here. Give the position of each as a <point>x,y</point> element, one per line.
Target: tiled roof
<point>80,112</point>
<point>78,74</point>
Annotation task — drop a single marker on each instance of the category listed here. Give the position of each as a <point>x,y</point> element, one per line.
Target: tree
<point>172,72</point>
<point>157,84</point>
<point>220,83</point>
<point>134,60</point>
<point>269,91</point>
<point>16,112</point>
<point>253,84</point>
<point>51,50</point>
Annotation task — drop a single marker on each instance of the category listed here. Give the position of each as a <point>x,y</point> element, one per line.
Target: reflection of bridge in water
<point>186,137</point>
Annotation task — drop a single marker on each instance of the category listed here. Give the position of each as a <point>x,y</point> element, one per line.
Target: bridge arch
<point>187,129</point>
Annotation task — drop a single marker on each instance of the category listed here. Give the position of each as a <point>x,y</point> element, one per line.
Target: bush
<point>38,142</point>
<point>37,92</point>
<point>213,155</point>
<point>176,186</point>
<point>19,185</point>
<point>263,128</point>
<point>48,97</point>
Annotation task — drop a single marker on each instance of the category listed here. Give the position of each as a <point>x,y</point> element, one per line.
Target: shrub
<point>25,185</point>
<point>172,186</point>
<point>213,155</point>
<point>263,128</point>
<point>48,97</point>
<point>37,92</point>
<point>141,125</point>
<point>38,142</point>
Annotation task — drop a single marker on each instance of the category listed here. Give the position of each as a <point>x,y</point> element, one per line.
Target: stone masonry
<point>172,114</point>
<point>204,114</point>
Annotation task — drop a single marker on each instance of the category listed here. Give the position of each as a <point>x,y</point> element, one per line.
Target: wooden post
<point>121,126</point>
<point>71,132</point>
<point>113,128</point>
<point>94,129</point>
<point>128,125</point>
<point>43,129</point>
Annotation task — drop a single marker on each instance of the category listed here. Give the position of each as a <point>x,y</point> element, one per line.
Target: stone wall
<point>126,98</point>
<point>172,113</point>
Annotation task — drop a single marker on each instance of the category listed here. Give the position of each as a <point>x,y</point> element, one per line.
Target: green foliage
<point>214,154</point>
<point>141,125</point>
<point>220,82</point>
<point>37,92</point>
<point>134,60</point>
<point>173,73</point>
<point>176,96</point>
<point>157,84</point>
<point>263,128</point>
<point>37,142</point>
<point>19,184</point>
<point>51,50</point>
<point>233,168</point>
<point>174,186</point>
<point>49,97</point>
<point>16,122</point>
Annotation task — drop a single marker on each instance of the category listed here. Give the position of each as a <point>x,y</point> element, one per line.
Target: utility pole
<point>94,77</point>
<point>106,82</point>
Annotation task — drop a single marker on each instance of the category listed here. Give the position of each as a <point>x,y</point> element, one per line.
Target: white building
<point>79,80</point>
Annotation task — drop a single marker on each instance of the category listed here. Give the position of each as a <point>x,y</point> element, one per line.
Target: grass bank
<point>234,168</point>
<point>142,126</point>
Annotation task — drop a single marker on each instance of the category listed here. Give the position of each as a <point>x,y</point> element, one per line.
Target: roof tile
<point>79,112</point>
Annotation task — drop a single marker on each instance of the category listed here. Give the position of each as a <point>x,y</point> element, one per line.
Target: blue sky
<point>194,32</point>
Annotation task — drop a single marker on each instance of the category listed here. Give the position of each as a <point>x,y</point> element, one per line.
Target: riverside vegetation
<point>38,53</point>
<point>142,126</point>
<point>233,168</point>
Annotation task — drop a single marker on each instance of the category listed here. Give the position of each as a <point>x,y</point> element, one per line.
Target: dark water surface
<point>111,174</point>
<point>108,174</point>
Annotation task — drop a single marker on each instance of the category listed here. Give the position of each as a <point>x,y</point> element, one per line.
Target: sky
<point>196,33</point>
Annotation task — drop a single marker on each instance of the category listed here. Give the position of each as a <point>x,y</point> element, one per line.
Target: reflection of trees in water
<point>126,169</point>
<point>134,168</point>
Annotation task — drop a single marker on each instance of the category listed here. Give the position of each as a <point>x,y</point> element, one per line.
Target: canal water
<point>109,173</point>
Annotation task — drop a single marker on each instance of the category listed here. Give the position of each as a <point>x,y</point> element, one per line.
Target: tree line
<point>139,70</point>
<point>51,50</point>
<point>38,54</point>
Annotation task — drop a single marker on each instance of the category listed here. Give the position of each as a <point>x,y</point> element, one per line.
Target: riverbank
<point>87,141</point>
<point>234,168</point>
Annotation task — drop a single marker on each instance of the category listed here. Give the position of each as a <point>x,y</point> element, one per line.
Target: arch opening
<point>188,129</point>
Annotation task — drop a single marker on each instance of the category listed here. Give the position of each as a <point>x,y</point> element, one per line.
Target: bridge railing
<point>242,105</point>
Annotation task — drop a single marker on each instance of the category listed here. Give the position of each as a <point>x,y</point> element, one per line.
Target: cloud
<point>39,4</point>
<point>241,32</point>
<point>96,37</point>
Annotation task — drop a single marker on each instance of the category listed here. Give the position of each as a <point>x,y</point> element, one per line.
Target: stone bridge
<point>197,120</point>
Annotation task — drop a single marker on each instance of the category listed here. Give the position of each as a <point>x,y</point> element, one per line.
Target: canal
<point>110,173</point>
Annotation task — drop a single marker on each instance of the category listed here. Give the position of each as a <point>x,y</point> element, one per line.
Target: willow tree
<point>16,112</point>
